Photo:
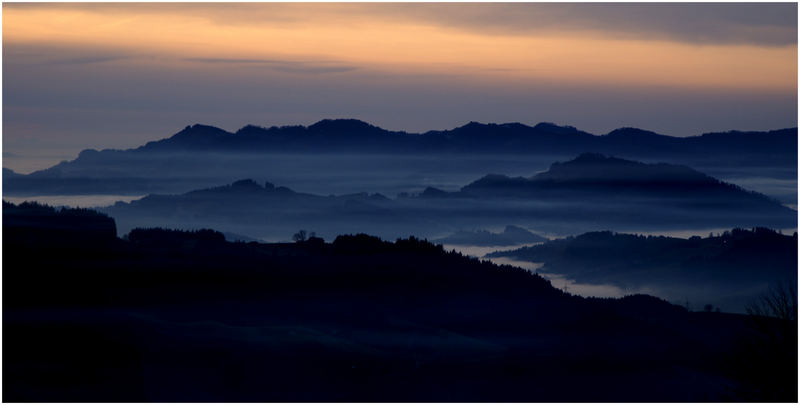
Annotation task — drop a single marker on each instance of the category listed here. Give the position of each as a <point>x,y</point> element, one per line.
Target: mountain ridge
<point>593,171</point>
<point>495,200</point>
<point>340,126</point>
<point>202,155</point>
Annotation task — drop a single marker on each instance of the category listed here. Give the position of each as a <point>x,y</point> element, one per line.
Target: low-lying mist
<point>389,174</point>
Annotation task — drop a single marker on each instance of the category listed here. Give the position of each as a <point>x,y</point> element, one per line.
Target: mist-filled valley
<point>350,156</point>
<point>726,271</point>
<point>399,202</point>
<point>524,258</point>
<point>456,187</point>
<point>566,199</point>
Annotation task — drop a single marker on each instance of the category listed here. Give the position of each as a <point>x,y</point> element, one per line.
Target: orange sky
<point>121,74</point>
<point>375,38</point>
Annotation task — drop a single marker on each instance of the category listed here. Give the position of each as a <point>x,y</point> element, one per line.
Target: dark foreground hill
<point>586,193</point>
<point>186,316</point>
<point>200,156</point>
<point>727,270</point>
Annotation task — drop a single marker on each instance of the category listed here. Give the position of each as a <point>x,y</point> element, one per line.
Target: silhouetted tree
<point>768,360</point>
<point>300,236</point>
<point>780,301</point>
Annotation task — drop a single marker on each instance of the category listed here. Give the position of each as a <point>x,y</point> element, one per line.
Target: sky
<point>100,75</point>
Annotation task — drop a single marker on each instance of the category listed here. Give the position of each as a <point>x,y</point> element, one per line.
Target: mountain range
<point>586,193</point>
<point>351,135</point>
<point>201,156</point>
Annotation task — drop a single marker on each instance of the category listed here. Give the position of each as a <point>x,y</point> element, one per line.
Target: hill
<point>592,174</point>
<point>147,317</point>
<point>586,193</point>
<point>511,235</point>
<point>726,270</point>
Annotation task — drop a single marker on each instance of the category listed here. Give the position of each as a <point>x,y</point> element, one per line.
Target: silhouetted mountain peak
<point>472,125</point>
<point>521,235</point>
<point>598,167</point>
<point>512,229</point>
<point>250,129</point>
<point>246,187</point>
<point>433,192</point>
<point>494,177</point>
<point>514,125</point>
<point>88,153</point>
<point>491,180</point>
<point>549,127</point>
<point>601,175</point>
<point>633,133</point>
<point>511,235</point>
<point>8,173</point>
<point>201,130</point>
<point>591,160</point>
<point>193,136</point>
<point>473,129</point>
<point>477,129</point>
<point>343,125</point>
<point>245,184</point>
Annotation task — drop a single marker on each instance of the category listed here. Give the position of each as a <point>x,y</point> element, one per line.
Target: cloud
<point>287,66</point>
<point>764,24</point>
<point>541,41</point>
<point>61,55</point>
<point>83,60</point>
